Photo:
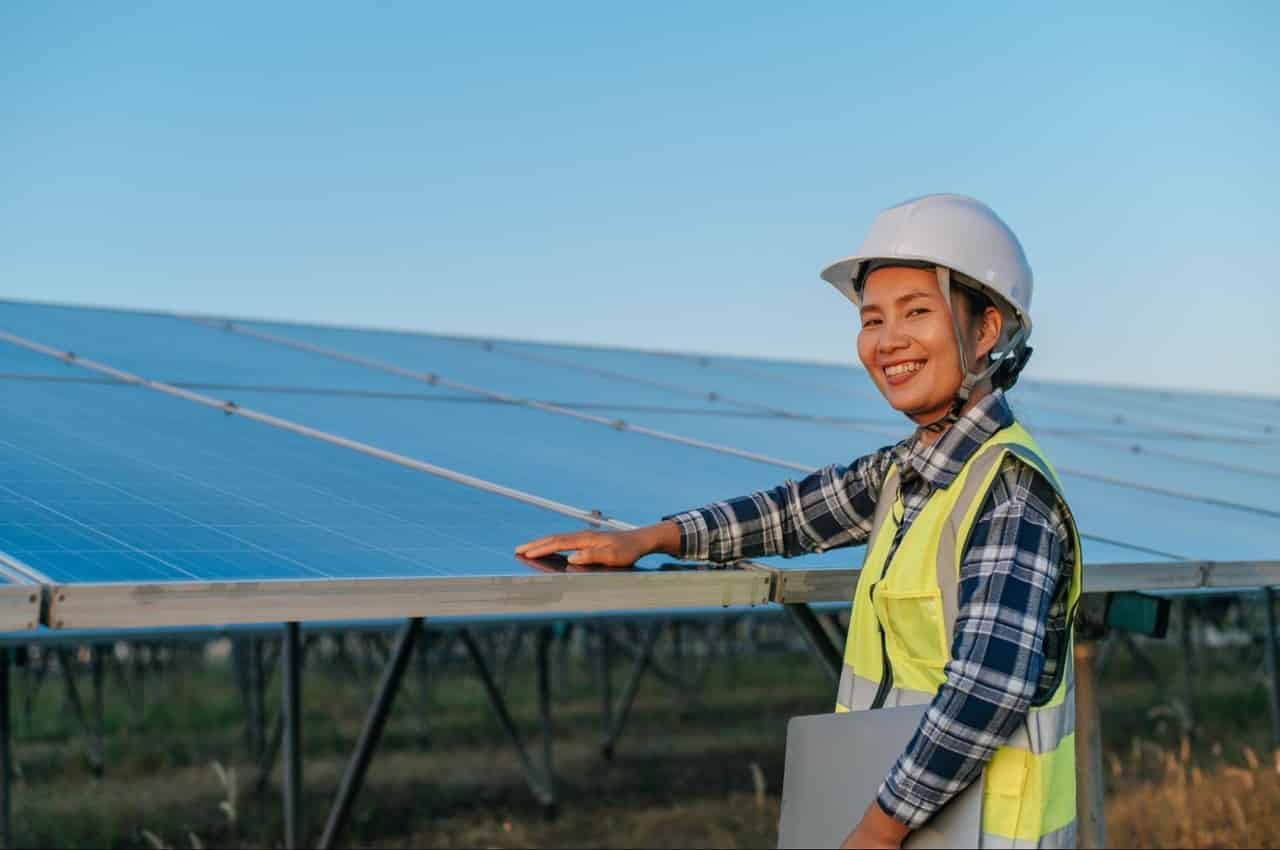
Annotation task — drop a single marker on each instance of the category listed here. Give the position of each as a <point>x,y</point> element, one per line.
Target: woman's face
<point>908,345</point>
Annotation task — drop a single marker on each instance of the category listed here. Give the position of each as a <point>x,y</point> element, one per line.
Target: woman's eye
<point>869,323</point>
<point>914,310</point>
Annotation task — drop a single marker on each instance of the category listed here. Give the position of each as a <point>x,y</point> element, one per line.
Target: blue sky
<point>657,176</point>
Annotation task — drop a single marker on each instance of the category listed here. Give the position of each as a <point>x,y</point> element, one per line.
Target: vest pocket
<point>914,624</point>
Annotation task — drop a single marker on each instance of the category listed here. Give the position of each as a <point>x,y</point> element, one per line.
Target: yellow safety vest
<point>906,610</point>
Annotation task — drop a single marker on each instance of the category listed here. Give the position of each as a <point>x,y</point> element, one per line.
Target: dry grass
<point>1194,802</point>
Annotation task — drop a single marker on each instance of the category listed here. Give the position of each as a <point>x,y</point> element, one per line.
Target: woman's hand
<point>608,548</point>
<point>876,831</point>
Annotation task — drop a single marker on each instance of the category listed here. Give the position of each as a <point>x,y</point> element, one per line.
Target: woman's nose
<point>892,339</point>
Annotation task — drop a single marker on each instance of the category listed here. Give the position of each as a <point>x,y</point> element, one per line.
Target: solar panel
<point>122,485</point>
<point>118,484</point>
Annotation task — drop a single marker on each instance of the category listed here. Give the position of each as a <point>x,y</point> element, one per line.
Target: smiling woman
<point>908,341</point>
<point>972,571</point>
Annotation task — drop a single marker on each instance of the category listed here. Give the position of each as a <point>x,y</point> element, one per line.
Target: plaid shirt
<point>1011,629</point>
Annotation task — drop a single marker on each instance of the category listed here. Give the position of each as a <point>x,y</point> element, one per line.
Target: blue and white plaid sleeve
<point>1009,597</point>
<point>832,507</point>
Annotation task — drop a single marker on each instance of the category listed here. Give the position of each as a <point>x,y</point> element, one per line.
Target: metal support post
<point>545,637</point>
<point>257,694</point>
<point>35,676</point>
<point>375,721</point>
<point>291,707</point>
<point>1090,804</point>
<point>818,639</point>
<point>98,656</point>
<point>1188,683</point>
<point>633,686</point>
<point>543,794</point>
<point>6,753</point>
<point>605,673</point>
<point>1273,673</point>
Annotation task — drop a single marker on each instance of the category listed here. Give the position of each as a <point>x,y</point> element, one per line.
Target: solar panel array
<point>114,490</point>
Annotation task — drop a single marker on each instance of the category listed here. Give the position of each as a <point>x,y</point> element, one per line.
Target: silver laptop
<point>835,764</point>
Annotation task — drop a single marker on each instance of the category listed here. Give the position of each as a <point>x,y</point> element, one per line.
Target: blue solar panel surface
<point>122,484</point>
<point>115,483</point>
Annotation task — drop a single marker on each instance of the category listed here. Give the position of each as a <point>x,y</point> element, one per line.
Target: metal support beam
<point>291,707</point>
<point>66,664</point>
<point>257,714</point>
<point>1188,673</point>
<point>6,754</point>
<point>531,773</point>
<point>638,669</point>
<point>1273,672</point>
<point>657,669</point>
<point>267,761</point>
<point>818,639</point>
<point>375,721</point>
<point>1090,808</point>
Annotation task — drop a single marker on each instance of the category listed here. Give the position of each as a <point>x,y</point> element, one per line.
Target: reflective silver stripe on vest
<point>1044,728</point>
<point>856,693</point>
<point>948,562</point>
<point>884,507</point>
<point>1060,839</point>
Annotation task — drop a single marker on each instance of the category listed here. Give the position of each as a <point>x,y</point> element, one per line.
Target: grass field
<point>696,767</point>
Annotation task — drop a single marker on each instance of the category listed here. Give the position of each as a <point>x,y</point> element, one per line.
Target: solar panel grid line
<point>1166,402</point>
<point>231,408</point>
<point>1139,448</point>
<point>436,379</point>
<point>719,365</point>
<point>1070,409</point>
<point>492,343</point>
<point>408,396</point>
<point>797,467</point>
<point>1101,413</point>
<point>1100,438</point>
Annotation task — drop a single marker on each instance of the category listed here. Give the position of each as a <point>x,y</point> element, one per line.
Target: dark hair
<point>975,300</point>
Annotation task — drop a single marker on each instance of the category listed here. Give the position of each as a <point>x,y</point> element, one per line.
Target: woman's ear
<point>988,331</point>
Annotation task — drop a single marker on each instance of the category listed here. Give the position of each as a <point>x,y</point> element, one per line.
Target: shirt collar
<point>940,463</point>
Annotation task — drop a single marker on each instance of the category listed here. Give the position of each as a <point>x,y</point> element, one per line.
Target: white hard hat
<point>957,233</point>
<point>965,241</point>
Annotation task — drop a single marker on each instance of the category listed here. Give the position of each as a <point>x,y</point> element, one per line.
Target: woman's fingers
<point>610,549</point>
<point>609,555</point>
<point>544,546</point>
<point>555,543</point>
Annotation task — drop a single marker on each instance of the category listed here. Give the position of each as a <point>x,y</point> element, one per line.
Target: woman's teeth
<point>903,368</point>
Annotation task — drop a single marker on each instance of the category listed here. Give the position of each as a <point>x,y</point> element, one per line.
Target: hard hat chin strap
<point>970,379</point>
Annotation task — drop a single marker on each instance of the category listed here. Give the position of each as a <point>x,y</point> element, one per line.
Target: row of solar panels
<point>112,491</point>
